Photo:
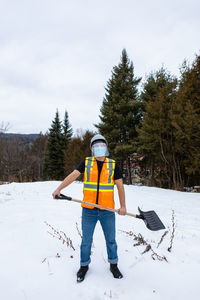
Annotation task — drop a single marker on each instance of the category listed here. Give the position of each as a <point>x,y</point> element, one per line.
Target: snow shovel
<point>150,218</point>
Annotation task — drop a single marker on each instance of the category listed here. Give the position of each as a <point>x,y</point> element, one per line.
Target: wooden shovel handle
<point>63,197</point>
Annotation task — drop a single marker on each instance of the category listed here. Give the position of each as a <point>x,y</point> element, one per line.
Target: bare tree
<point>4,127</point>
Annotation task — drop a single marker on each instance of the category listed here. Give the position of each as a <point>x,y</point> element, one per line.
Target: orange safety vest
<point>106,182</point>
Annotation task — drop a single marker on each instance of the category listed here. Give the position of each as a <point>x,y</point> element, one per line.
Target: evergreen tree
<point>120,111</point>
<point>54,156</point>
<point>156,136</point>
<point>186,120</point>
<point>67,131</point>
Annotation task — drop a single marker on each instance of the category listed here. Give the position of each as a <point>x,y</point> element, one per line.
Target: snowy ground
<point>34,265</point>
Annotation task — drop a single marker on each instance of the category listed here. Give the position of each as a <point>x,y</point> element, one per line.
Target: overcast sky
<point>59,54</point>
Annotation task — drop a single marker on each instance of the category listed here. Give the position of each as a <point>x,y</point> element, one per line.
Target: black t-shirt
<point>117,172</point>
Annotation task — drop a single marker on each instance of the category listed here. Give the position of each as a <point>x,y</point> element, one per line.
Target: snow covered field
<point>34,265</point>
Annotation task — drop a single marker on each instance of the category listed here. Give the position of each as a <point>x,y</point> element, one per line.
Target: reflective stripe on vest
<point>111,168</point>
<point>102,187</point>
<point>88,166</point>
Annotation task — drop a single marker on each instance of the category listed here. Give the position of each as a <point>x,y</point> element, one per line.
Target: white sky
<point>58,54</point>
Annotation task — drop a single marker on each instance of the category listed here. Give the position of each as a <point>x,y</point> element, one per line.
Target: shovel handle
<point>63,197</point>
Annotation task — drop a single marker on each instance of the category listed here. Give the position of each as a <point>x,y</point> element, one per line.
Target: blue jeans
<point>89,220</point>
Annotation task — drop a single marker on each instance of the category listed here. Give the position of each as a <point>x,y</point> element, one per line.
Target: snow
<point>34,265</point>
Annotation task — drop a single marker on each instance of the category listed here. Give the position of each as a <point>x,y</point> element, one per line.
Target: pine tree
<point>156,137</point>
<point>54,156</point>
<point>120,111</point>
<point>67,131</point>
<point>186,120</point>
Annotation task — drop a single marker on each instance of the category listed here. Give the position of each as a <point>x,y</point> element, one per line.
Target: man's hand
<point>67,181</point>
<point>122,211</point>
<point>121,193</point>
<point>55,193</point>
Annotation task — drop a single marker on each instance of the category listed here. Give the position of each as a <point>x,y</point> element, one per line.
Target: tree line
<point>161,123</point>
<point>153,131</point>
<point>49,156</point>
<point>20,159</point>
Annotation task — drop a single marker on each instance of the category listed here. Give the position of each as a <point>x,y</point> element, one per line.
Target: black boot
<point>81,273</point>
<point>115,271</point>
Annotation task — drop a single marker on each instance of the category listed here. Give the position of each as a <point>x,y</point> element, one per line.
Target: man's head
<point>98,146</point>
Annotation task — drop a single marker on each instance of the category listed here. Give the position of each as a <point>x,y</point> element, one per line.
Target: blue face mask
<point>99,151</point>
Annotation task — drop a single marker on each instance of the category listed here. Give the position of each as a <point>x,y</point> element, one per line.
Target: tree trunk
<point>129,170</point>
<point>152,180</point>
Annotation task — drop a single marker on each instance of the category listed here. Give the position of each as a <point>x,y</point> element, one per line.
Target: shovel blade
<point>151,220</point>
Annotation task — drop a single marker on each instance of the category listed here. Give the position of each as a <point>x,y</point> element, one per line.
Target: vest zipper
<point>99,175</point>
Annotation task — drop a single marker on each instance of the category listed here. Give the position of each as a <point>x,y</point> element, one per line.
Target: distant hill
<point>27,138</point>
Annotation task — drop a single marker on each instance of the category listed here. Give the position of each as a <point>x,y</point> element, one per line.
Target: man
<point>100,175</point>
